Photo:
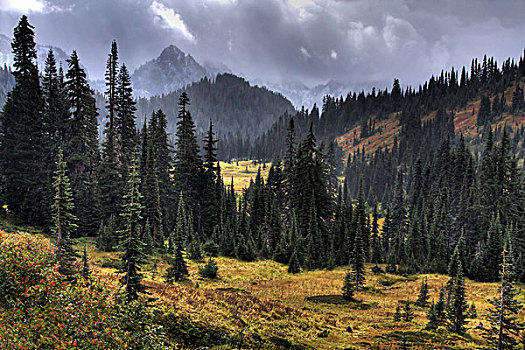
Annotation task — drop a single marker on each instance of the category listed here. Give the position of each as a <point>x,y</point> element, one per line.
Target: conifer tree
<point>349,285</point>
<point>188,169</point>
<point>148,239</point>
<point>505,327</point>
<point>111,77</point>
<point>151,192</point>
<point>162,150</point>
<point>441,306</point>
<point>210,270</point>
<point>22,142</point>
<point>178,269</point>
<point>293,265</point>
<point>397,314</point>
<point>81,149</point>
<point>289,170</point>
<point>133,256</point>
<point>408,312</point>
<point>110,179</point>
<point>377,247</point>
<point>55,112</point>
<point>422,299</point>
<point>432,317</point>
<point>64,220</point>
<point>458,307</point>
<point>358,261</point>
<point>210,195</point>
<point>54,124</point>
<point>110,173</point>
<point>125,118</point>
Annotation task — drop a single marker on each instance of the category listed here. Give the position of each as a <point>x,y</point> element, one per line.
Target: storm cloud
<point>358,42</point>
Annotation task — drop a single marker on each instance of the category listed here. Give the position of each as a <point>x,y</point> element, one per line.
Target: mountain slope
<point>230,102</point>
<point>465,123</point>
<point>172,70</point>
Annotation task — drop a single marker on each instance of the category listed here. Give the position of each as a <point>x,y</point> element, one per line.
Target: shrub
<point>41,310</point>
<point>210,270</point>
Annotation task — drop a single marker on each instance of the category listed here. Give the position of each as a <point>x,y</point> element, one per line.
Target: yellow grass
<point>271,302</point>
<point>242,173</point>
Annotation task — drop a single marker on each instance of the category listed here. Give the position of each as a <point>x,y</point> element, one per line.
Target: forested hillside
<point>235,107</point>
<point>372,120</point>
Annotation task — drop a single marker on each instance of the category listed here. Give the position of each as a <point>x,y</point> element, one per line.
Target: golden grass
<point>271,302</point>
<point>242,172</point>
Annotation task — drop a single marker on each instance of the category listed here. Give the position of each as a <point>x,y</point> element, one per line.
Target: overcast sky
<point>312,41</point>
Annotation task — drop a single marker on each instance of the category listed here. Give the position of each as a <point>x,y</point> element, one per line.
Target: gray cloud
<point>359,42</point>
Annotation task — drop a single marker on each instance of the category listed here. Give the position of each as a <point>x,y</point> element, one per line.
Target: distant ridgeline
<point>235,108</point>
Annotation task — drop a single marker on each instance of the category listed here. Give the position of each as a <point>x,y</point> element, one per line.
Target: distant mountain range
<point>6,56</point>
<point>174,69</point>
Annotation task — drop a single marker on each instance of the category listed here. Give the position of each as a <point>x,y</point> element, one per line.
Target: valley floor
<point>261,299</point>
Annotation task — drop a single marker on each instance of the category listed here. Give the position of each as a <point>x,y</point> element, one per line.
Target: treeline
<point>449,91</point>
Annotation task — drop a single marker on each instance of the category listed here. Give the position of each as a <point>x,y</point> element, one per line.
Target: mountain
<point>172,70</point>
<point>303,96</point>
<point>6,56</point>
<point>234,106</point>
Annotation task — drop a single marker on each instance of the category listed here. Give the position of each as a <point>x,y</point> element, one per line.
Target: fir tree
<point>505,327</point>
<point>210,270</point>
<point>349,285</point>
<point>178,269</point>
<point>55,116</point>
<point>458,307</point>
<point>110,176</point>
<point>133,256</point>
<point>293,265</point>
<point>151,192</point>
<point>210,195</point>
<point>22,142</point>
<point>397,314</point>
<point>162,150</point>
<point>432,317</point>
<point>81,149</point>
<point>111,88</point>
<point>408,312</point>
<point>125,118</point>
<point>358,261</point>
<point>441,306</point>
<point>188,169</point>
<point>64,220</point>
<point>422,299</point>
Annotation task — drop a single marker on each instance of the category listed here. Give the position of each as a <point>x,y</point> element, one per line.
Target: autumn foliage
<point>39,309</point>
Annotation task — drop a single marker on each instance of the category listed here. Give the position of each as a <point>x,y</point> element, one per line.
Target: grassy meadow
<point>260,299</point>
<point>242,172</point>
